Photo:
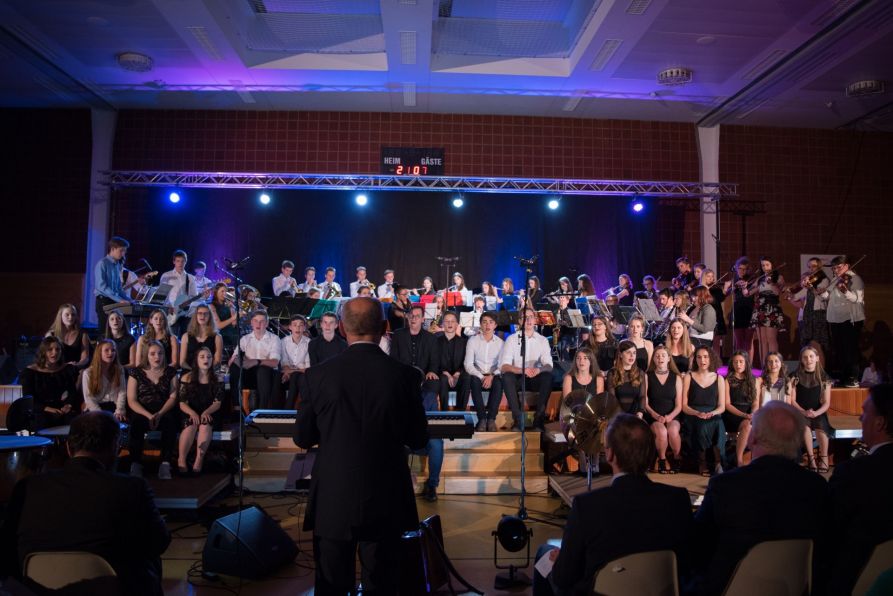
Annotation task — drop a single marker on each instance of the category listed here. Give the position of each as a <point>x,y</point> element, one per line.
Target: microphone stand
<point>447,262</point>
<point>527,265</point>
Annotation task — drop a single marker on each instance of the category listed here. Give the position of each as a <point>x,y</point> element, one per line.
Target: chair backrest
<point>56,570</point>
<point>643,574</point>
<point>778,567</point>
<point>881,560</point>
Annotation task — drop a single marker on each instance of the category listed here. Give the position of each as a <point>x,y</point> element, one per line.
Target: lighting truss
<point>465,184</point>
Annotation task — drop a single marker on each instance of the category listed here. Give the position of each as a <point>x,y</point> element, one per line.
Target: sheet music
<point>470,320</point>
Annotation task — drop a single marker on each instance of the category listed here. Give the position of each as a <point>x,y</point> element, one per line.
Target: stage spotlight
<point>458,202</point>
<point>362,200</point>
<point>264,199</point>
<point>553,204</point>
<point>637,205</point>
<point>174,197</point>
<point>513,535</point>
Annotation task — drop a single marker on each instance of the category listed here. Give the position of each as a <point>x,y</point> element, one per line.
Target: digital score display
<point>411,161</point>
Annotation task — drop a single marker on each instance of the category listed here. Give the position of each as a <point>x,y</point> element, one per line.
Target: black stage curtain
<point>401,230</point>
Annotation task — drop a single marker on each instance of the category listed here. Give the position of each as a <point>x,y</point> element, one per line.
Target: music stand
<point>583,305</point>
<point>454,299</point>
<point>510,302</point>
<point>285,307</point>
<point>624,313</point>
<point>648,309</point>
<point>157,296</point>
<point>426,299</point>
<point>577,320</point>
<point>322,307</point>
<point>470,320</point>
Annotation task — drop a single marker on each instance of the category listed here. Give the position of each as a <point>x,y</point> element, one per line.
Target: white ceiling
<point>759,62</point>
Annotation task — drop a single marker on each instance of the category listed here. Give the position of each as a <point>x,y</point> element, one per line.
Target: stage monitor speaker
<point>250,547</point>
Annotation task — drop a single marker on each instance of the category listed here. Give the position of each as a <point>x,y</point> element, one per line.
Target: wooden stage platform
<point>188,493</point>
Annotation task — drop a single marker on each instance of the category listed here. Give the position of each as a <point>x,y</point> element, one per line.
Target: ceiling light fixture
<point>677,75</point>
<point>134,61</point>
<point>867,87</point>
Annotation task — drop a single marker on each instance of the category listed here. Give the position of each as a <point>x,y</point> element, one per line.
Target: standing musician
<point>309,281</point>
<point>482,365</point>
<point>534,293</point>
<point>708,280</point>
<point>330,288</point>
<point>386,289</point>
<point>624,290</point>
<point>536,366</point>
<point>284,283</point>
<point>202,283</point>
<point>107,282</point>
<point>846,316</point>
<point>584,285</point>
<point>459,286</point>
<point>686,278</point>
<point>361,282</point>
<point>226,316</point>
<point>767,318</point>
<point>182,284</point>
<point>812,320</point>
<point>702,321</point>
<point>742,307</point>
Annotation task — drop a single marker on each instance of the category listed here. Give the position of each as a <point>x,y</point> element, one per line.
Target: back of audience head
<point>777,430</point>
<point>877,415</point>
<point>632,443</point>
<point>94,434</point>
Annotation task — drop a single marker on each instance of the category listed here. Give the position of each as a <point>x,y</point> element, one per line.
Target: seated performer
<point>158,330</point>
<point>309,281</point>
<point>811,394</point>
<point>365,291</point>
<point>416,347</point>
<point>328,343</point>
<point>704,401</point>
<point>624,290</point>
<point>451,349</point>
<point>459,286</point>
<point>330,288</point>
<point>256,359</point>
<point>284,283</point>
<point>125,343</point>
<point>295,358</point>
<point>386,289</point>
<point>52,384</point>
<point>360,282</point>
<point>398,313</point>
<point>663,406</point>
<point>200,395</point>
<point>427,288</point>
<point>107,280</point>
<point>226,317</point>
<point>635,332</point>
<point>488,291</point>
<point>742,400</point>
<point>201,333</point>
<point>626,381</point>
<point>75,342</point>
<point>701,322</point>
<point>479,305</point>
<point>584,285</point>
<point>151,397</point>
<point>536,367</point>
<point>679,345</point>
<point>649,291</point>
<point>104,383</point>
<point>202,284</point>
<point>482,365</point>
<point>603,343</point>
<point>534,293</point>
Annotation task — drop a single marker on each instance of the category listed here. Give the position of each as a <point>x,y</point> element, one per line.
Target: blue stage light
<point>637,206</point>
<point>174,197</point>
<point>264,199</point>
<point>458,202</point>
<point>362,200</point>
<point>553,204</point>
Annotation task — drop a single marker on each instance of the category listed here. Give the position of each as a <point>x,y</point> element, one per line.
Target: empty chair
<point>774,568</point>
<point>881,560</point>
<point>644,574</point>
<point>56,570</point>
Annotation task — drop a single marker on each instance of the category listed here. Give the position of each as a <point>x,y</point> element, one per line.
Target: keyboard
<point>441,425</point>
<point>275,423</point>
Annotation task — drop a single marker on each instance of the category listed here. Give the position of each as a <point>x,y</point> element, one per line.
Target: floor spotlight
<point>458,202</point>
<point>553,204</point>
<point>513,535</point>
<point>362,200</point>
<point>264,199</point>
<point>174,197</point>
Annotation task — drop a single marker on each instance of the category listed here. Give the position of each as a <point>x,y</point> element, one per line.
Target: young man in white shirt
<point>295,358</point>
<point>482,365</point>
<point>182,287</point>
<point>284,283</point>
<point>386,289</point>
<point>536,367</point>
<point>202,283</point>
<point>256,360</point>
<point>309,280</point>
<point>360,283</point>
<point>330,288</point>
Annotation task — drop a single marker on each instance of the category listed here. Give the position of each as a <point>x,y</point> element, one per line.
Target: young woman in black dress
<point>603,344</point>
<point>679,346</point>
<point>226,317</point>
<point>811,394</point>
<point>200,396</point>
<point>704,401</point>
<point>626,381</point>
<point>663,404</point>
<point>742,307</point>
<point>625,292</point>
<point>75,343</point>
<point>151,397</point>
<point>584,374</point>
<point>158,330</point>
<point>743,392</point>
<point>635,332</point>
<point>51,383</point>
<point>125,343</point>
<point>201,333</point>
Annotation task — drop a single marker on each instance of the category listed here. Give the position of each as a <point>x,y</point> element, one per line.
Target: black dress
<point>199,397</point>
<point>718,298</point>
<point>810,398</point>
<point>628,397</point>
<point>153,396</point>
<point>711,432</point>
<point>661,396</point>
<point>626,300</point>
<point>122,344</point>
<point>589,388</point>
<point>642,358</point>
<point>682,363</point>
<point>72,353</point>
<point>605,352</point>
<point>193,345</point>
<point>740,400</point>
<point>52,390</point>
<point>742,309</point>
<point>230,333</point>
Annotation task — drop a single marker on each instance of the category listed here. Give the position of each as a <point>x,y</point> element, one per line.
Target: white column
<point>708,153</point>
<point>103,124</point>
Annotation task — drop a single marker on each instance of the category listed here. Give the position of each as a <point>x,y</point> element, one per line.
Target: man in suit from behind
<point>362,408</point>
<point>772,498</point>
<point>86,506</point>
<point>632,515</point>
<point>862,493</point>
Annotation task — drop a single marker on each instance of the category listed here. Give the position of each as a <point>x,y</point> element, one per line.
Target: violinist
<point>846,316</point>
<point>807,296</point>
<point>708,280</point>
<point>767,318</point>
<point>624,290</point>
<point>742,307</point>
<point>686,277</point>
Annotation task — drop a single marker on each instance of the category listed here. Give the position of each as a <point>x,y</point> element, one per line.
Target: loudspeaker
<point>248,544</point>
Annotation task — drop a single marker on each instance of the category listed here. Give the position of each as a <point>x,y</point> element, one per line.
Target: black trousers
<point>477,397</point>
<point>336,566</point>
<point>290,389</point>
<point>542,384</point>
<point>845,348</point>
<point>259,378</point>
<point>461,391</point>
<point>169,425</point>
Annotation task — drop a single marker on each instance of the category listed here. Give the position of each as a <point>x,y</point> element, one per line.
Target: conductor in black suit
<point>862,493</point>
<point>86,506</point>
<point>772,498</point>
<point>630,516</point>
<point>362,408</point>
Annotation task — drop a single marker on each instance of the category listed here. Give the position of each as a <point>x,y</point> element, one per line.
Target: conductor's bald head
<point>362,320</point>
